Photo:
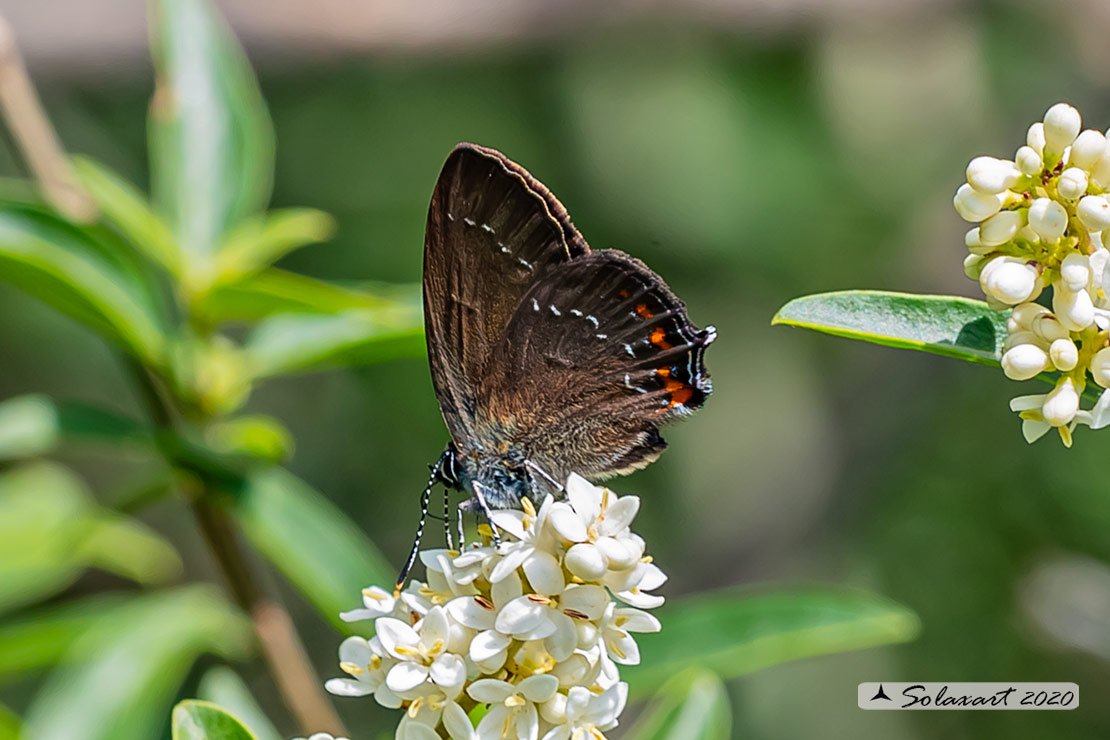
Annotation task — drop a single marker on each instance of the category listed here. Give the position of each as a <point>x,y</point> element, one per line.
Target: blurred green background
<point>749,153</point>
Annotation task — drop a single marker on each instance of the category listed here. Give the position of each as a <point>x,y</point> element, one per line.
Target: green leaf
<point>310,541</point>
<point>693,705</point>
<point>51,529</point>
<point>291,343</point>
<point>125,208</point>
<point>83,422</point>
<point>66,268</point>
<point>28,426</point>
<point>736,631</point>
<point>125,670</point>
<point>259,437</point>
<point>222,686</point>
<point>276,291</point>
<point>263,239</point>
<point>40,638</point>
<point>202,720</point>
<point>211,139</point>
<point>945,325</point>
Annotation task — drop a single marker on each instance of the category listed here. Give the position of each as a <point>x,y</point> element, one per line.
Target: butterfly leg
<point>447,521</point>
<point>462,533</point>
<point>425,500</point>
<point>481,497</point>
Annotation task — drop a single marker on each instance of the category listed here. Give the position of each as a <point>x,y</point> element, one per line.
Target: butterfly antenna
<point>425,499</point>
<point>489,515</point>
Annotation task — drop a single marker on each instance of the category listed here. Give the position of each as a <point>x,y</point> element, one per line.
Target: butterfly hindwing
<point>598,355</point>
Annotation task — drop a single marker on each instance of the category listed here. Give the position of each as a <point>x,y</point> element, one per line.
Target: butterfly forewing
<point>492,229</point>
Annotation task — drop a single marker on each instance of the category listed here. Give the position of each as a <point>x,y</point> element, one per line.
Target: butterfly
<point>547,357</point>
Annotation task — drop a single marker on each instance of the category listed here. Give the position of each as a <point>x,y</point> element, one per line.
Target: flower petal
<point>356,650</point>
<point>506,589</point>
<point>434,628</point>
<point>486,645</point>
<point>410,729</point>
<point>621,553</point>
<point>519,616</point>
<point>514,555</point>
<point>567,523</point>
<point>586,561</point>
<point>393,633</point>
<point>564,640</point>
<point>490,690</point>
<point>539,687</point>
<point>473,612</point>
<point>588,600</point>
<point>347,687</point>
<point>527,723</point>
<point>448,670</point>
<point>634,620</point>
<point>584,496</point>
<point>457,723</point>
<point>653,578</point>
<point>491,725</point>
<point>511,521</point>
<point>544,574</point>
<point>406,676</point>
<point>638,598</point>
<point>619,515</point>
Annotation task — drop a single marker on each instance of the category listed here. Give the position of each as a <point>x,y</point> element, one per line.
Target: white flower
<point>616,628</point>
<point>367,664</point>
<point>551,617</point>
<point>1048,218</point>
<point>634,587</point>
<point>377,603</point>
<point>1093,212</point>
<point>512,712</point>
<point>989,175</point>
<point>320,736</point>
<point>1001,228</point>
<point>1024,361</point>
<point>1009,280</point>
<point>1072,183</point>
<point>1087,149</point>
<point>1074,309</point>
<point>582,714</point>
<point>489,647</point>
<point>598,522</point>
<point>533,547</point>
<point>421,653</point>
<point>1029,161</point>
<point>1061,404</point>
<point>976,206</point>
<point>1064,354</point>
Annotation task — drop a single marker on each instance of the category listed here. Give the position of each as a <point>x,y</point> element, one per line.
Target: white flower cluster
<point>320,736</point>
<point>1041,220</point>
<point>530,632</point>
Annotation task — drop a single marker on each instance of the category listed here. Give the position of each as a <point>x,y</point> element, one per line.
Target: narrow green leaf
<point>123,206</point>
<point>693,705</point>
<point>61,267</point>
<point>211,139</point>
<point>51,529</point>
<point>202,720</point>
<point>261,240</point>
<point>945,325</point>
<point>39,638</point>
<point>291,343</point>
<point>735,632</point>
<point>223,686</point>
<point>275,291</point>
<point>122,674</point>
<point>28,426</point>
<point>83,422</point>
<point>311,542</point>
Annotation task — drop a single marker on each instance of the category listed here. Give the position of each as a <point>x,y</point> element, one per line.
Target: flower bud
<point>1100,171</point>
<point>1100,367</point>
<point>1008,280</point>
<point>1001,228</point>
<point>1074,309</point>
<point>1034,138</point>
<point>1072,183</point>
<point>1024,361</point>
<point>1027,313</point>
<point>1028,161</point>
<point>1064,355</point>
<point>990,175</point>
<point>971,241</point>
<point>1061,404</point>
<point>1087,149</point>
<point>1048,327</point>
<point>1061,125</point>
<point>975,206</point>
<point>973,265</point>
<point>1048,218</point>
<point>1093,212</point>
<point>1075,271</point>
<point>1020,337</point>
<point>586,561</point>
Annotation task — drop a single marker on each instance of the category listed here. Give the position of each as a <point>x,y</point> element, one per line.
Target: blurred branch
<point>286,658</point>
<point>35,137</point>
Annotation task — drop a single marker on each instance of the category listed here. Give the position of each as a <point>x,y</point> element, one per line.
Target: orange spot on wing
<point>663,372</point>
<point>623,293</point>
<point>644,311</point>
<point>658,337</point>
<point>679,391</point>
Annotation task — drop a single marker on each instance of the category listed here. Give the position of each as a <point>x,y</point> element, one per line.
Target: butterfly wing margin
<point>492,228</point>
<point>598,356</point>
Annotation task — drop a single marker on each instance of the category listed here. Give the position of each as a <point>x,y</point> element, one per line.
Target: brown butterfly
<point>547,357</point>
